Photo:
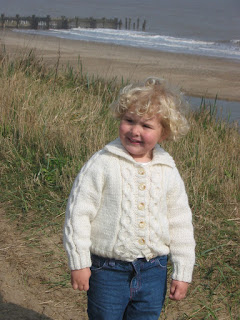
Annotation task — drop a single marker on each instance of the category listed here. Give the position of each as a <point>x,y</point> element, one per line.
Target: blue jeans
<point>127,290</point>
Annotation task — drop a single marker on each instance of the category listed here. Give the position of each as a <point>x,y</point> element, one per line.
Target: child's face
<point>139,135</point>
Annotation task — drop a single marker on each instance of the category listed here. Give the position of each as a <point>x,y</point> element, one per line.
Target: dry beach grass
<point>53,117</point>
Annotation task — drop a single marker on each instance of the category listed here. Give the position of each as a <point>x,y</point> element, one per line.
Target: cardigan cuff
<point>80,261</point>
<point>182,272</point>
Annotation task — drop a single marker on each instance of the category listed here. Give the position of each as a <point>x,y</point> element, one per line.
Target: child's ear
<point>163,136</point>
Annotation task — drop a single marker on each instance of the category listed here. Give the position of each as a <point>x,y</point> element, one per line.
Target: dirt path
<point>26,266</point>
<point>32,267</point>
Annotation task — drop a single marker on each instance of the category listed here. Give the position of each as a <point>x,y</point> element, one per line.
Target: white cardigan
<point>120,209</point>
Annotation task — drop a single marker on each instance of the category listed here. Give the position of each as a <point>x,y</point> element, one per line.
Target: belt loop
<point>112,262</point>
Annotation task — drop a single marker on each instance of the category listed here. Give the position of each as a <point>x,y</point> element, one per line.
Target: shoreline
<point>197,76</point>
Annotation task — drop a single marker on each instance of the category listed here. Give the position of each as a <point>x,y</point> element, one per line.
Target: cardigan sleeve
<point>182,243</point>
<point>82,207</point>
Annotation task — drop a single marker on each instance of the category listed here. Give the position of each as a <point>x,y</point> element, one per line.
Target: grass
<point>53,119</point>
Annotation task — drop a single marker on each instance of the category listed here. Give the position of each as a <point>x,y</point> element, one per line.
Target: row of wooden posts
<point>34,22</point>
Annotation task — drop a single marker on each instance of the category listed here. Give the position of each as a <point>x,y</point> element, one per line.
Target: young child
<point>128,210</point>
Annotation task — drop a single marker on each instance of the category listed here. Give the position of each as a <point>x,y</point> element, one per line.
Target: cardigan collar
<point>160,156</point>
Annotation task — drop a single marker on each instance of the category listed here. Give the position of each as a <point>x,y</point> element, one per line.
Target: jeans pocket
<point>98,263</point>
<point>162,261</point>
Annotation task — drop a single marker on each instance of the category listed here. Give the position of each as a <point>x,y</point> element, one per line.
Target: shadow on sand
<point>11,311</point>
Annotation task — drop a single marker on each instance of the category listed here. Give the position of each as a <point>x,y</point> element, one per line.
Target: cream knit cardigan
<point>120,209</point>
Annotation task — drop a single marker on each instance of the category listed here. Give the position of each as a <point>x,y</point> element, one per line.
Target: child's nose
<point>135,130</point>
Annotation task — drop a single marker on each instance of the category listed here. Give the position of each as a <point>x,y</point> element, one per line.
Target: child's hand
<point>178,290</point>
<point>80,279</point>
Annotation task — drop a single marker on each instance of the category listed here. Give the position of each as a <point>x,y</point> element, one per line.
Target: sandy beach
<point>196,75</point>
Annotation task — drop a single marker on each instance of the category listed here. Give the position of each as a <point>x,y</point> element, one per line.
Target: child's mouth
<point>133,141</point>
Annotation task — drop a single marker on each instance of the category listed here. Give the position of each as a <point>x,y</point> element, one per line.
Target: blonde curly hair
<point>155,97</point>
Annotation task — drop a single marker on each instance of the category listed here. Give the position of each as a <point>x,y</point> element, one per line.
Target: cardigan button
<point>142,224</point>
<point>141,171</point>
<point>141,206</point>
<point>141,241</point>
<point>150,256</point>
<point>142,186</point>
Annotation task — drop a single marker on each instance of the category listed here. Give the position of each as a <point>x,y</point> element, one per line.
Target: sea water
<point>205,27</point>
<point>223,49</point>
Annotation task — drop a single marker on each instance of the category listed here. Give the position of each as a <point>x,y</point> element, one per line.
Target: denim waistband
<point>112,261</point>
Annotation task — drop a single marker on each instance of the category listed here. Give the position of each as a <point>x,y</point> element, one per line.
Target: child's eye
<point>147,126</point>
<point>129,120</point>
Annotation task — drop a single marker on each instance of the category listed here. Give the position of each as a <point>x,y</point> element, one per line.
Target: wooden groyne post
<point>34,22</point>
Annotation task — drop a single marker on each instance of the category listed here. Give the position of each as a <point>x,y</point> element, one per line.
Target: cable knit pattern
<point>127,220</point>
<point>121,209</point>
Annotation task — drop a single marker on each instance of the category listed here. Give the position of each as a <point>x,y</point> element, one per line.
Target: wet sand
<point>196,75</point>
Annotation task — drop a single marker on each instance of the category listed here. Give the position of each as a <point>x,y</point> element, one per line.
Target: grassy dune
<point>53,119</point>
